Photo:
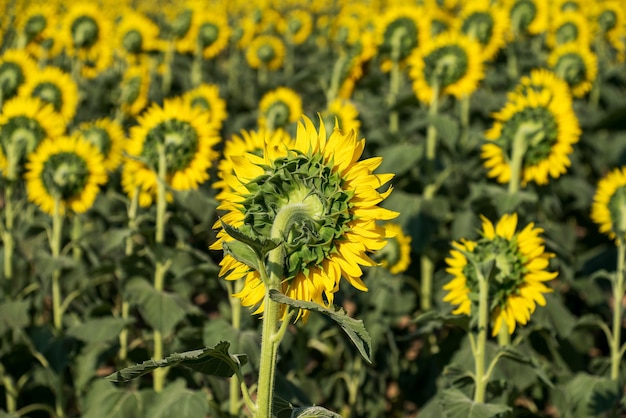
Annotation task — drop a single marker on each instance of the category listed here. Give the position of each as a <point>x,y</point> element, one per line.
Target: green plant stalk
<point>465,113</point>
<point>481,338</point>
<point>132,224</point>
<point>7,233</point>
<point>166,81</point>
<point>394,79</point>
<point>511,62</point>
<point>271,334</point>
<point>233,69</point>
<point>262,75</point>
<point>335,78</point>
<point>618,294</point>
<point>289,57</point>
<point>161,265</point>
<point>77,232</point>
<point>196,66</point>
<point>234,400</point>
<point>431,132</point>
<point>55,247</point>
<point>10,391</point>
<point>517,158</point>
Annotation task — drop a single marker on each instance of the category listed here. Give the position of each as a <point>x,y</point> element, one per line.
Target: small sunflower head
<point>576,64</point>
<point>35,25</point>
<point>279,108</point>
<point>395,256</point>
<point>266,51</point>
<point>206,97</point>
<point>399,32</point>
<point>522,13</point>
<point>107,137</point>
<point>609,205</point>
<point>85,32</point>
<point>514,263</point>
<point>132,41</point>
<point>15,69</point>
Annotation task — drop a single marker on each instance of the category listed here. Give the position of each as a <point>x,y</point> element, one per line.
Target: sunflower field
<point>298,208</point>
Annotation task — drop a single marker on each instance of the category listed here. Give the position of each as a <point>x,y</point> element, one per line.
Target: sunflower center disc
<point>265,53</point>
<point>65,175</point>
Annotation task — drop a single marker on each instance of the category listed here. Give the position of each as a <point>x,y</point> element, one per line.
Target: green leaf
<point>242,253</point>
<point>519,357</point>
<point>400,158</point>
<point>353,327</point>
<point>591,320</point>
<point>261,245</point>
<point>178,401</point>
<point>114,238</point>
<point>14,315</point>
<point>161,310</point>
<point>592,396</point>
<point>456,405</point>
<point>104,400</point>
<point>98,329</point>
<point>212,361</point>
<point>313,412</point>
<point>447,129</point>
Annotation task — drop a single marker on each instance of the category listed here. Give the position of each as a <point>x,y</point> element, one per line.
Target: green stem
<point>166,81</point>
<point>132,225</point>
<point>10,391</point>
<point>481,338</point>
<point>161,265</point>
<point>233,70</point>
<point>262,76</point>
<point>520,144</point>
<point>77,232</point>
<point>465,113</point>
<point>426,268</point>
<point>618,295</point>
<point>335,78</point>
<point>431,133</point>
<point>196,66</point>
<point>511,62</point>
<point>394,78</point>
<point>7,234</point>
<point>504,338</point>
<point>55,246</point>
<point>289,58</point>
<point>234,401</point>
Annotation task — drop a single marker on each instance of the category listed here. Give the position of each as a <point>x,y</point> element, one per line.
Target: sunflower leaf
<point>457,405</point>
<point>212,361</point>
<point>313,412</point>
<point>242,253</point>
<point>261,245</point>
<point>353,327</point>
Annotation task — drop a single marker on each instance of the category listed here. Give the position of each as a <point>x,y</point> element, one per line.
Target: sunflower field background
<point>466,259</point>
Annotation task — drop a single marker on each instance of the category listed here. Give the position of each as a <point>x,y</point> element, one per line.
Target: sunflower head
<point>486,24</point>
<point>400,30</point>
<point>207,97</point>
<point>278,108</point>
<point>55,87</point>
<point>67,171</point>
<point>395,256</point>
<point>576,64</point>
<point>320,200</point>
<point>16,67</point>
<point>514,263</point>
<point>609,204</point>
<point>297,25</point>
<point>108,137</point>
<point>527,16</point>
<point>342,114</point>
<point>266,51</point>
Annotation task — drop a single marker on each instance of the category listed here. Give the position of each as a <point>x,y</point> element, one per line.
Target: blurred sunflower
<point>265,51</point>
<point>485,23</point>
<point>547,127</point>
<point>135,35</point>
<point>568,27</point>
<point>344,113</point>
<point>439,21</point>
<point>278,108</point>
<point>96,61</point>
<point>526,17</point>
<point>86,29</point>
<point>609,19</point>
<point>243,32</point>
<point>69,170</point>
<point>209,31</point>
<point>337,225</point>
<point>134,88</point>
<point>540,80</point>
<point>609,203</point>
<point>253,142</point>
<point>518,264</point>
<point>56,87</point>
<point>24,123</point>
<point>359,56</point>
<point>16,67</point>
<point>452,62</point>
<point>399,31</point>
<point>576,64</point>
<point>187,138</point>
<point>296,26</point>
<point>36,25</point>
<point>207,97</point>
<point>108,137</point>
<point>395,256</point>
<point>564,6</point>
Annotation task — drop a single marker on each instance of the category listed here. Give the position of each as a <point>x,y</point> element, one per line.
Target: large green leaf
<point>104,400</point>
<point>313,412</point>
<point>261,245</point>
<point>13,315</point>
<point>353,327</point>
<point>161,310</point>
<point>591,396</point>
<point>400,158</point>
<point>242,253</point>
<point>98,329</point>
<point>214,361</point>
<point>456,405</point>
<point>178,401</point>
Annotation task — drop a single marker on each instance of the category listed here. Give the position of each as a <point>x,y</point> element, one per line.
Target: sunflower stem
<point>128,251</point>
<point>335,78</point>
<point>289,57</point>
<point>262,76</point>
<point>618,295</point>
<point>166,81</point>
<point>196,66</point>
<point>55,247</point>
<point>7,233</point>
<point>481,338</point>
<point>504,338</point>
<point>517,157</point>
<point>394,79</point>
<point>11,392</point>
<point>431,133</point>
<point>465,114</point>
<point>161,265</point>
<point>234,400</point>
<point>511,62</point>
<point>77,232</point>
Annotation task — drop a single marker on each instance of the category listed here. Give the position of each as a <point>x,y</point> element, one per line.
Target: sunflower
<point>527,17</point>
<point>518,264</point>
<point>187,138</point>
<point>568,27</point>
<point>56,87</point>
<point>278,108</point>
<point>541,79</point>
<point>359,56</point>
<point>610,20</point>
<point>108,137</point>
<point>36,25</point>
<point>609,204</point>
<point>344,113</point>
<point>576,64</point>
<point>86,28</point>
<point>548,129</point>
<point>451,61</point>
<point>243,32</point>
<point>439,21</point>
<point>297,26</point>
<point>564,6</point>
<point>134,88</point>
<point>16,67</point>
<point>253,142</point>
<point>209,31</point>
<point>135,35</point>
<point>68,169</point>
<point>207,97</point>
<point>486,23</point>
<point>24,123</point>
<point>338,198</point>
<point>395,256</point>
<point>266,51</point>
<point>399,31</point>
